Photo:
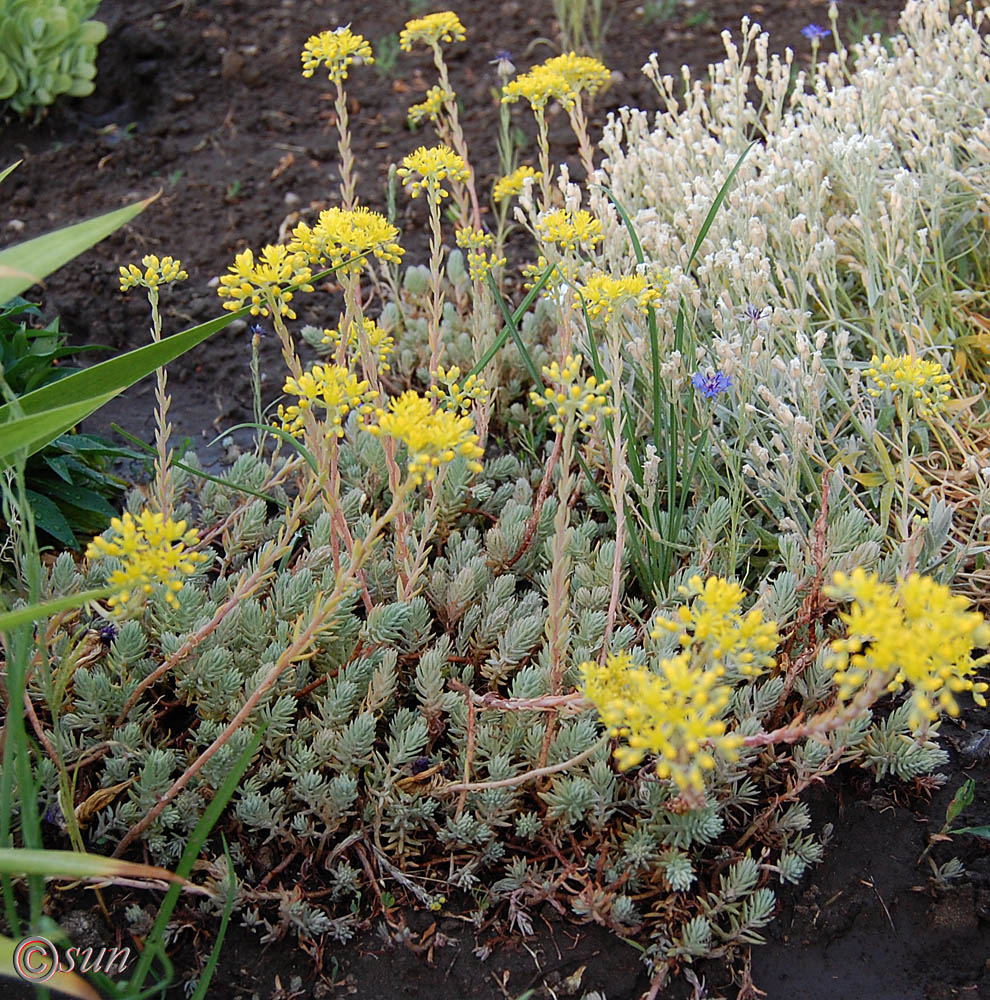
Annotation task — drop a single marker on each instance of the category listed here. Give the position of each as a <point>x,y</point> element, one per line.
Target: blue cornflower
<point>712,385</point>
<point>753,313</point>
<point>815,32</point>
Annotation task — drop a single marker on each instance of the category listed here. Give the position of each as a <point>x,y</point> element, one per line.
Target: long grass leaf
<point>37,258</point>
<point>153,944</point>
<point>117,374</point>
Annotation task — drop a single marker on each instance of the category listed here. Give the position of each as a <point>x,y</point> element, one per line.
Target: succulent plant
<point>47,48</point>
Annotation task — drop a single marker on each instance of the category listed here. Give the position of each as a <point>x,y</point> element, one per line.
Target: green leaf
<point>963,799</point>
<point>59,465</point>
<point>34,430</point>
<point>36,612</point>
<point>82,499</point>
<point>8,170</point>
<point>76,865</point>
<point>26,264</point>
<point>50,519</point>
<point>975,831</point>
<point>90,388</point>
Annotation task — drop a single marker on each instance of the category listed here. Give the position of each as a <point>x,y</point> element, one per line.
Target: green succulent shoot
<point>47,48</point>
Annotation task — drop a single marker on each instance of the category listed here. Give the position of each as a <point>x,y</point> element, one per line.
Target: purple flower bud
<point>815,32</point>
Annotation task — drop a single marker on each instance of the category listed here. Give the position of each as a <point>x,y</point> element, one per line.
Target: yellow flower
<point>672,712</point>
<point>539,86</point>
<point>432,29</point>
<point>336,50</point>
<point>433,166</point>
<point>456,395</point>
<point>562,275</point>
<point>714,628</point>
<point>151,551</point>
<point>477,242</point>
<point>430,108</point>
<point>921,382</point>
<point>584,74</point>
<point>380,341</point>
<point>513,184</point>
<point>604,294</point>
<point>569,230</point>
<point>156,272</point>
<point>250,282</point>
<point>343,238</point>
<point>432,437</point>
<point>562,78</point>
<point>330,388</point>
<point>567,398</point>
<point>916,633</point>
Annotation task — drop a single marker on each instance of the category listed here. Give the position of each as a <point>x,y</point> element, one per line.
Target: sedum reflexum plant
<point>47,48</point>
<point>572,599</point>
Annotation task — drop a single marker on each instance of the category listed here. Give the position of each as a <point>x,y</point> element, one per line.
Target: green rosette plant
<point>47,48</point>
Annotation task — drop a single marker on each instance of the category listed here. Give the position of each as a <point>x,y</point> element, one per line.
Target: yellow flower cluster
<point>563,273</point>
<point>583,73</point>
<point>453,394</point>
<point>604,294</point>
<point>336,50</point>
<point>672,712</point>
<point>567,398</point>
<point>431,107</point>
<point>569,230</point>
<point>343,238</point>
<point>151,550</point>
<point>513,184</point>
<point>433,437</point>
<point>714,627</point>
<point>156,272</point>
<point>432,29</point>
<point>332,388</point>
<point>562,78</point>
<point>251,281</point>
<point>477,243</point>
<point>433,166</point>
<point>921,382</point>
<point>916,633</point>
<point>380,341</point>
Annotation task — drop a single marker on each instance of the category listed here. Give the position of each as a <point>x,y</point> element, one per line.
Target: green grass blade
<point>35,612</point>
<point>210,968</point>
<point>510,324</point>
<point>8,170</point>
<point>153,945</point>
<point>197,472</point>
<point>26,264</point>
<point>517,315</point>
<point>279,433</point>
<point>73,865</point>
<point>717,204</point>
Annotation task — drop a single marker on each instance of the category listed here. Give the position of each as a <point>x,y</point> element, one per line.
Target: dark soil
<point>205,101</point>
